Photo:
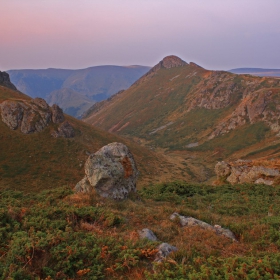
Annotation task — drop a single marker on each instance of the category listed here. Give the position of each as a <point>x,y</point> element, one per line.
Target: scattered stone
<point>224,231</point>
<point>190,221</point>
<point>264,182</point>
<point>164,250</point>
<point>111,171</point>
<point>192,145</point>
<point>147,233</point>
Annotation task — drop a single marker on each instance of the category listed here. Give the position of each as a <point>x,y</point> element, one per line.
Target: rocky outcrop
<point>148,234</point>
<point>172,61</point>
<point>262,106</point>
<point>111,172</point>
<point>33,116</point>
<point>216,93</point>
<point>190,222</point>
<point>5,81</point>
<point>246,171</point>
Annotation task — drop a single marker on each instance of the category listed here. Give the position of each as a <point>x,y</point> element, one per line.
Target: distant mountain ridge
<point>257,72</point>
<point>87,85</point>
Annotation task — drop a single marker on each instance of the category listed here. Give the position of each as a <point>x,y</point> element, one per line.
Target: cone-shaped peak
<point>172,61</point>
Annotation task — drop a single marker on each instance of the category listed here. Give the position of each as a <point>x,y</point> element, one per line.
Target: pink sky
<point>218,34</point>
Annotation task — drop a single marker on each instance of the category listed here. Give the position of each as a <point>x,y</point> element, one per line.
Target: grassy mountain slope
<point>207,115</point>
<point>38,161</point>
<point>91,84</point>
<point>56,234</point>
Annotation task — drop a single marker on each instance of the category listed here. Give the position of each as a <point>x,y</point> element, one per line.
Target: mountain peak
<point>172,61</point>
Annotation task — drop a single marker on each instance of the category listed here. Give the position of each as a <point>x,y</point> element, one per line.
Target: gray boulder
<point>111,171</point>
<point>148,234</point>
<point>190,221</point>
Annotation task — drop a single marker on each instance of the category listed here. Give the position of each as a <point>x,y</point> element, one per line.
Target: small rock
<point>147,233</point>
<point>190,221</point>
<point>64,130</point>
<point>264,182</point>
<point>224,231</point>
<point>164,250</point>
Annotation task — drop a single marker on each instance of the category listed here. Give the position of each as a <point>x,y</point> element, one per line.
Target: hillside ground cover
<point>56,234</point>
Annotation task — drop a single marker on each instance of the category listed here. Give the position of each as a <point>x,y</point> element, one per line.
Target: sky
<point>75,34</point>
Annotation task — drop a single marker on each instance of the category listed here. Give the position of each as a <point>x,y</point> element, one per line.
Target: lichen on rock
<point>111,172</point>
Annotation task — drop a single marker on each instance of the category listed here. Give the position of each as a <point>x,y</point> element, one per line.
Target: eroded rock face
<point>111,171</point>
<point>33,116</point>
<point>190,221</point>
<point>246,171</point>
<point>5,80</point>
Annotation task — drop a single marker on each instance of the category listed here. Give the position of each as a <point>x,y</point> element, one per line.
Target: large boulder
<point>111,172</point>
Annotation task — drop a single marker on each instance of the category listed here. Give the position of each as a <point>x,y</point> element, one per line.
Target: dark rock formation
<point>190,221</point>
<point>111,171</point>
<point>246,171</point>
<point>33,116</point>
<point>5,80</point>
<point>57,114</point>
